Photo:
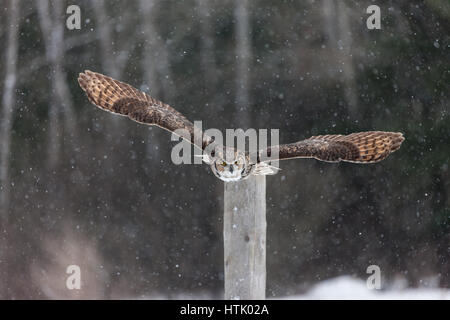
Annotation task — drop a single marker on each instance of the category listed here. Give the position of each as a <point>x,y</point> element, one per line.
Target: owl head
<point>231,167</point>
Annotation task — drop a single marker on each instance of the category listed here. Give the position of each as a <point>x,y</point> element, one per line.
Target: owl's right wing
<point>121,98</point>
<point>361,147</point>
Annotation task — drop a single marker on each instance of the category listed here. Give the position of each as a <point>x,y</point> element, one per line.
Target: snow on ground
<point>340,288</point>
<point>348,288</point>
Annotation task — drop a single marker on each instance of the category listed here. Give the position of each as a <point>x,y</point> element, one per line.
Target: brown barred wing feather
<point>362,147</point>
<point>121,98</point>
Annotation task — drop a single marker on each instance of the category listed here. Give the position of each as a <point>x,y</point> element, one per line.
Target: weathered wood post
<point>244,233</point>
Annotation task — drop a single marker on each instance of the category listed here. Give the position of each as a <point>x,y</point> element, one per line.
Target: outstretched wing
<point>121,98</point>
<point>362,147</point>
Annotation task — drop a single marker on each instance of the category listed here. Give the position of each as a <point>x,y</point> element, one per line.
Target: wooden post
<point>244,233</point>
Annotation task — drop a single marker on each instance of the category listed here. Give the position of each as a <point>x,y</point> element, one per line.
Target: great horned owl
<point>229,164</point>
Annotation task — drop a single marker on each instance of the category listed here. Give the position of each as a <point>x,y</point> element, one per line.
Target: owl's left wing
<point>121,98</point>
<point>362,147</point>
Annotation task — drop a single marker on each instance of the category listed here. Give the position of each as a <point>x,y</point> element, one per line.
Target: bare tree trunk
<point>207,44</point>
<point>61,101</point>
<point>156,69</point>
<point>330,21</point>
<point>346,58</point>
<point>8,102</point>
<point>110,66</point>
<point>106,38</point>
<point>243,54</point>
<point>155,64</point>
<point>244,232</point>
<point>337,29</point>
<point>151,55</point>
<point>156,55</point>
<point>113,56</point>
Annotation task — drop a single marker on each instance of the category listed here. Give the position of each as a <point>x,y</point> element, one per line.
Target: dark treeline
<point>81,186</point>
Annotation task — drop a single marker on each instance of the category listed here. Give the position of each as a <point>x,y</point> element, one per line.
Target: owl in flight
<point>229,164</point>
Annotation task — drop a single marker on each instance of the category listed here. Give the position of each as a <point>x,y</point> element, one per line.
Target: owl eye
<point>224,163</point>
<point>236,162</point>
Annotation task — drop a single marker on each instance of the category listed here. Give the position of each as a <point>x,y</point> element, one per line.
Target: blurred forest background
<point>81,186</point>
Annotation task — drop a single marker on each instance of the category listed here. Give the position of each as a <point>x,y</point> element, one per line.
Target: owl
<point>230,164</point>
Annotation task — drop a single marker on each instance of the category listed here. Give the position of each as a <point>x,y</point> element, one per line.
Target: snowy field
<point>350,288</point>
<point>340,288</point>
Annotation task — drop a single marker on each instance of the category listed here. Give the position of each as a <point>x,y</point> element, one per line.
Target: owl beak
<point>231,169</point>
